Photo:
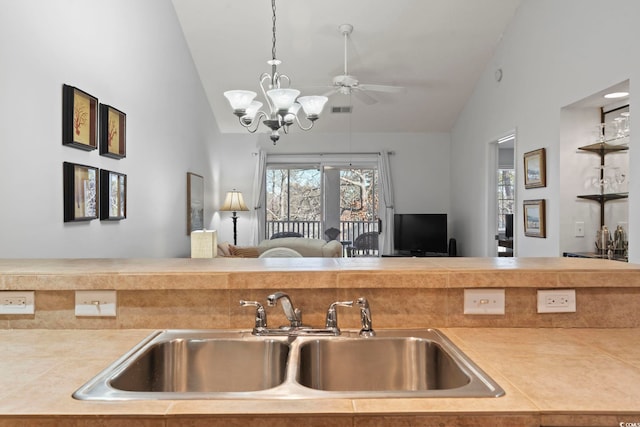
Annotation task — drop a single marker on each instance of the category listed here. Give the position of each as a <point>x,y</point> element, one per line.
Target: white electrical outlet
<point>95,303</point>
<point>578,229</point>
<point>484,301</point>
<point>557,301</point>
<point>17,302</point>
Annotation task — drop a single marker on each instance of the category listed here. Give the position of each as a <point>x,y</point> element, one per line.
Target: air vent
<point>340,110</point>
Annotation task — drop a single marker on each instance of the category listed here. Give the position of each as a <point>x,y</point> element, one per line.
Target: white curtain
<point>259,188</point>
<point>385,244</point>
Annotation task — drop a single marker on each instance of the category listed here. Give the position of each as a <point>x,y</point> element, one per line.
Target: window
<point>293,200</point>
<point>358,194</point>
<point>506,196</point>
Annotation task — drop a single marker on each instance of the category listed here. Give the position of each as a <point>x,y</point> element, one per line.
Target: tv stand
<point>416,254</point>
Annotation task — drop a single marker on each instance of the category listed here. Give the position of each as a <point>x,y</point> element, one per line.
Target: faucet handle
<point>332,314</point>
<point>365,317</point>
<point>261,315</point>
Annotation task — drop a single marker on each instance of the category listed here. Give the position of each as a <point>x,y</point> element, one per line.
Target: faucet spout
<point>293,314</point>
<point>365,317</point>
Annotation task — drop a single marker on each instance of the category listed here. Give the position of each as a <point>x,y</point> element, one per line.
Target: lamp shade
<point>239,99</point>
<point>234,202</point>
<point>312,105</point>
<point>292,113</point>
<point>283,99</point>
<point>252,109</point>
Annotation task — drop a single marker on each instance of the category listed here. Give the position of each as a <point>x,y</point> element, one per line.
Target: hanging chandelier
<point>283,101</point>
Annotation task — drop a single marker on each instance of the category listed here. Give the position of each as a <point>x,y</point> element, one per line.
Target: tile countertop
<point>545,372</point>
<point>296,273</point>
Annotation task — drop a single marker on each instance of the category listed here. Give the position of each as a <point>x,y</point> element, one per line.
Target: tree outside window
<point>506,196</point>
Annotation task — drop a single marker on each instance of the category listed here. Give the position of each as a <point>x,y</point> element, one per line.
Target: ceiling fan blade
<point>364,97</point>
<point>382,88</point>
<point>333,91</point>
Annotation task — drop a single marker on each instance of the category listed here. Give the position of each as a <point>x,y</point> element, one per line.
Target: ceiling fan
<point>348,84</point>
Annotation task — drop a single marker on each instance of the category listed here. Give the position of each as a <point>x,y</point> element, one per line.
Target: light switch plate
<point>95,303</point>
<point>17,302</point>
<point>484,301</point>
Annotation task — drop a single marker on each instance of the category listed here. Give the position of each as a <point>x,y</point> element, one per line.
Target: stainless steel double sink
<point>225,364</point>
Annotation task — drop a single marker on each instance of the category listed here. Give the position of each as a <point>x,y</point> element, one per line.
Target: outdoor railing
<point>349,230</point>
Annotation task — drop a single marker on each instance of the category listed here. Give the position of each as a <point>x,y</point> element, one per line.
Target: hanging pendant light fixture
<point>283,101</point>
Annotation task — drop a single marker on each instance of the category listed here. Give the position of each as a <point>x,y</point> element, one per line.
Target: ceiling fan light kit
<point>282,100</point>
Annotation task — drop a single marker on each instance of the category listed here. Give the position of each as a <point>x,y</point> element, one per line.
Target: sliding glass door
<point>313,200</point>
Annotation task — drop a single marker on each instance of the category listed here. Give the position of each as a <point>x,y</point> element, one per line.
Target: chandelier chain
<point>273,39</point>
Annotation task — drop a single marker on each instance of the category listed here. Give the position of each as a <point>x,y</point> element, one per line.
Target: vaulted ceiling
<point>436,49</point>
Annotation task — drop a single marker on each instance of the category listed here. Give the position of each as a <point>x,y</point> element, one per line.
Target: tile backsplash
<point>396,307</point>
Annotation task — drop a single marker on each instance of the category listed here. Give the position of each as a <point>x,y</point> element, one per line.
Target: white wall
<point>129,54</point>
<point>419,168</point>
<point>553,54</point>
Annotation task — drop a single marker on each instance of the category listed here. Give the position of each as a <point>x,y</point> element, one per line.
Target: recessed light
<point>614,95</point>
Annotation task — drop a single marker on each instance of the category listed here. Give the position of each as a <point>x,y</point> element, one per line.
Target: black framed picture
<point>79,119</point>
<point>80,192</point>
<point>113,132</point>
<point>113,195</point>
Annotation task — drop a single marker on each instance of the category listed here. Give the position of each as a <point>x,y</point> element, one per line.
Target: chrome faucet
<point>332,315</point>
<point>261,316</point>
<point>293,314</point>
<point>365,317</point>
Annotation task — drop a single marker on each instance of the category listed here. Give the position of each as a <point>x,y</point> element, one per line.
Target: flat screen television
<point>419,234</point>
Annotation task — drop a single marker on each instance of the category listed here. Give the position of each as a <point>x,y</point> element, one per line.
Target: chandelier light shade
<point>234,202</point>
<point>281,99</point>
<point>240,100</point>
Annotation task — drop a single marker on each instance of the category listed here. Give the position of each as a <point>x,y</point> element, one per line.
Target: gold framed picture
<point>195,202</point>
<point>534,218</point>
<point>535,168</point>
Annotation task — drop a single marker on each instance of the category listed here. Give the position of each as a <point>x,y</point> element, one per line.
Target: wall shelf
<point>602,198</point>
<point>602,149</point>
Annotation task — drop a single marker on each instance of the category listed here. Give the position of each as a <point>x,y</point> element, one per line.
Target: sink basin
<point>193,364</point>
<point>384,364</point>
<point>172,364</point>
<point>205,365</point>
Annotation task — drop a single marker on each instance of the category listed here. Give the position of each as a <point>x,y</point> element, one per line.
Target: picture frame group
<point>87,124</point>
<point>90,193</point>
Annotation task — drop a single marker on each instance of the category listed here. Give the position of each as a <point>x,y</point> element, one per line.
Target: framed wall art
<point>534,218</point>
<point>535,169</point>
<point>79,119</point>
<point>80,192</point>
<point>113,195</point>
<point>195,202</point>
<point>113,132</point>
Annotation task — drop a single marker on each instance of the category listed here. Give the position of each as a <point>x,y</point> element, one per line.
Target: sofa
<point>305,247</point>
<point>302,245</point>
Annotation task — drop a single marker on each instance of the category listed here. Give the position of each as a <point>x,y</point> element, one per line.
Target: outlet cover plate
<point>95,303</point>
<point>484,301</point>
<point>17,302</point>
<point>557,301</point>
